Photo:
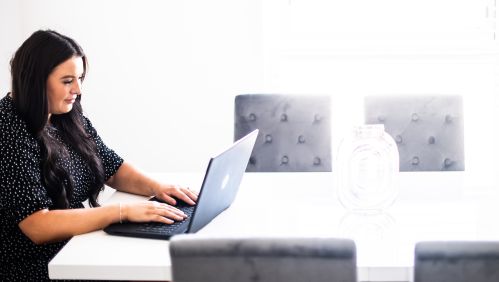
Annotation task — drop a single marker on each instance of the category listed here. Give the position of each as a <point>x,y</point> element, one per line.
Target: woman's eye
<point>68,81</point>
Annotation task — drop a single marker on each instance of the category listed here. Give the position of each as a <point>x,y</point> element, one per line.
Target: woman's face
<point>64,85</point>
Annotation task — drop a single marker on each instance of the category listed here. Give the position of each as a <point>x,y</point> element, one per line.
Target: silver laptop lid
<point>221,181</point>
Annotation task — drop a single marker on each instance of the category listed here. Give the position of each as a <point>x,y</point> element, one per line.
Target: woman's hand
<point>160,212</point>
<point>151,211</point>
<point>168,193</point>
<point>131,180</point>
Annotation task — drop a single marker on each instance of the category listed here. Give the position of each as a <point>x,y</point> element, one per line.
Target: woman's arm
<point>130,179</point>
<point>45,226</point>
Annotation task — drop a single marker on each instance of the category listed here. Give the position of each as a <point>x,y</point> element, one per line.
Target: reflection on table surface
<point>430,206</point>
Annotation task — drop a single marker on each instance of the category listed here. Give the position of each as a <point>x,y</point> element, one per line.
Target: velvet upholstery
<point>262,259</point>
<point>456,262</point>
<point>428,129</point>
<point>295,131</point>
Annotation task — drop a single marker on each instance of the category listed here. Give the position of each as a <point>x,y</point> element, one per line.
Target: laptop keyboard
<point>166,229</point>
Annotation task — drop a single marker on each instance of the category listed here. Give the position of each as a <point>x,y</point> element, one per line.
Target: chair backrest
<point>456,262</point>
<point>295,131</point>
<point>428,129</point>
<point>262,259</point>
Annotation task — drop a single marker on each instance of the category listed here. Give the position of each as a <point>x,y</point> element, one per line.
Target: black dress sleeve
<point>22,191</point>
<point>110,159</point>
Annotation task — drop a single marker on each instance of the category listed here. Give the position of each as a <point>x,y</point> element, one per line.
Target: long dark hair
<point>30,67</point>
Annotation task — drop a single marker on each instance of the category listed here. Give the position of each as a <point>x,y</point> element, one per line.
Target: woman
<point>52,160</point>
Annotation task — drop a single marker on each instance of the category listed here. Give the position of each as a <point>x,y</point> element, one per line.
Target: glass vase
<point>366,169</point>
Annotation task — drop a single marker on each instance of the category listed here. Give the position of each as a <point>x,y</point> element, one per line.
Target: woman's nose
<point>76,87</point>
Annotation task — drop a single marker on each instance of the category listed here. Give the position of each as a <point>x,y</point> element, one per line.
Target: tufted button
<point>284,160</point>
<point>301,139</point>
<point>448,162</point>
<point>268,138</point>
<point>317,161</point>
<point>415,161</point>
<point>431,140</point>
<point>448,118</point>
<point>252,161</point>
<point>398,139</point>
<point>252,117</point>
<point>284,117</point>
<point>414,117</point>
<point>381,119</point>
<point>317,118</point>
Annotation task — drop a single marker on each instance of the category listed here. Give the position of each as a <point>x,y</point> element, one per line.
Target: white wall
<point>10,38</point>
<point>163,74</point>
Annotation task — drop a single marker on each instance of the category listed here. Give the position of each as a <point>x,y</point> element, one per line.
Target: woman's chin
<point>64,110</point>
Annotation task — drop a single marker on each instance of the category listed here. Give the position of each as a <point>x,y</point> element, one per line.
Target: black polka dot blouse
<point>22,193</point>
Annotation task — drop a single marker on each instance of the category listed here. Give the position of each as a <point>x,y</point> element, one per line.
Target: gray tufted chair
<point>456,262</point>
<point>262,259</point>
<point>428,129</point>
<point>295,131</point>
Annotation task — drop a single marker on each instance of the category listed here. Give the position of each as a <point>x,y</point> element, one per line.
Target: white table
<point>431,206</point>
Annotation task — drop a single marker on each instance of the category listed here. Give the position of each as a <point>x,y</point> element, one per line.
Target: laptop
<point>220,185</point>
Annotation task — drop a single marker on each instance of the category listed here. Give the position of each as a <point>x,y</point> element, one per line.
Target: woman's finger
<point>167,198</point>
<point>162,219</point>
<point>174,210</point>
<point>190,193</point>
<point>162,208</point>
<point>185,195</point>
